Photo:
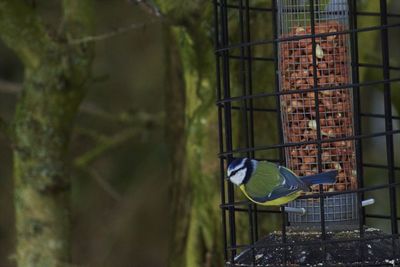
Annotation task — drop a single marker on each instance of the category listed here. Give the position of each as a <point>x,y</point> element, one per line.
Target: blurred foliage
<point>128,77</point>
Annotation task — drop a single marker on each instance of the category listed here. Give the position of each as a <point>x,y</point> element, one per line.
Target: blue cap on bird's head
<point>235,163</point>
<point>239,170</point>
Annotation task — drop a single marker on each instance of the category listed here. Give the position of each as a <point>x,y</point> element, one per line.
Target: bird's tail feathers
<point>328,177</point>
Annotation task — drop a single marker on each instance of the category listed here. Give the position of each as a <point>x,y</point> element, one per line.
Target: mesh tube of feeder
<point>298,110</point>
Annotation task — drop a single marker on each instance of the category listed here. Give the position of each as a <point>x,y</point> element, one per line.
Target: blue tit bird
<point>269,184</point>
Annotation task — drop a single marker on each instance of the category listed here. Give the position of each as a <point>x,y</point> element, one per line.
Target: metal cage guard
<point>308,119</point>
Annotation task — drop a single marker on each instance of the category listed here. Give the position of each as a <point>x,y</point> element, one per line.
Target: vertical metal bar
<point>243,79</point>
<point>318,122</point>
<point>228,120</point>
<point>279,118</point>
<point>220,128</point>
<point>251,234</point>
<point>222,184</point>
<point>251,113</point>
<point>284,236</point>
<point>244,111</point>
<point>357,120</point>
<point>388,116</point>
<point>249,73</point>
<point>277,89</point>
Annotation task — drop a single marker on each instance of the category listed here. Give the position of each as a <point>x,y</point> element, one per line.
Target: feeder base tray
<point>341,250</point>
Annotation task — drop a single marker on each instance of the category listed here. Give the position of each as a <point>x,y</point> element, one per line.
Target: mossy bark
<point>191,132</point>
<point>43,124</point>
<point>180,189</point>
<point>194,186</point>
<point>53,87</point>
<point>196,235</point>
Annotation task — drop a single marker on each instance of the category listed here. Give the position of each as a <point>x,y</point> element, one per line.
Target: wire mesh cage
<point>316,115</point>
<point>300,120</point>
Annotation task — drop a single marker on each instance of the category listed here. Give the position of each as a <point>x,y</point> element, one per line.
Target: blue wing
<point>292,179</point>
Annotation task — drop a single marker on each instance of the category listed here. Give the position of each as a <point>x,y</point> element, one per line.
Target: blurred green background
<point>128,224</point>
<point>122,209</point>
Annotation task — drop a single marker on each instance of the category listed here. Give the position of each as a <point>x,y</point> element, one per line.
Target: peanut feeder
<point>314,76</point>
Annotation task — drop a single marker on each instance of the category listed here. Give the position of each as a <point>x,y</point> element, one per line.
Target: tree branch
<point>138,122</point>
<point>23,32</point>
<point>7,87</point>
<point>107,144</point>
<point>90,133</point>
<point>127,117</point>
<point>150,8</point>
<point>110,34</point>
<point>106,186</point>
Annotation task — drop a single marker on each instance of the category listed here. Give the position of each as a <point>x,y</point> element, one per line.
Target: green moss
<point>55,73</point>
<point>195,182</point>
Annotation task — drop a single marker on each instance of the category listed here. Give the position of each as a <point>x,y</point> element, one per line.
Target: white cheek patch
<point>237,167</point>
<point>238,178</point>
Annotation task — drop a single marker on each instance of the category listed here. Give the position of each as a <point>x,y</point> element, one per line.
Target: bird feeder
<point>309,117</point>
<point>316,56</point>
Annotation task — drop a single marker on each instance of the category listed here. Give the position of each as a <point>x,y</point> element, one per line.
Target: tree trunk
<point>191,132</point>
<point>55,73</point>
<point>43,124</point>
<point>180,189</point>
<point>196,237</point>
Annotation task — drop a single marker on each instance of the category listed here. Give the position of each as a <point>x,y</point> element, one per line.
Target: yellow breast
<point>276,202</point>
